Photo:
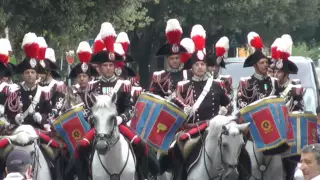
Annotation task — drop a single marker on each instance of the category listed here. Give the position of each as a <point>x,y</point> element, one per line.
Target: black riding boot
<point>153,164</point>
<point>82,163</point>
<point>166,161</point>
<point>58,171</point>
<point>289,167</point>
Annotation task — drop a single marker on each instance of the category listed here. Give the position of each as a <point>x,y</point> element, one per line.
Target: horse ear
<point>243,127</point>
<point>224,128</point>
<point>114,97</point>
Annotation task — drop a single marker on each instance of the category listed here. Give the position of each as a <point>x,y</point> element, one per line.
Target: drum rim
<point>177,108</point>
<point>67,114</point>
<point>259,103</point>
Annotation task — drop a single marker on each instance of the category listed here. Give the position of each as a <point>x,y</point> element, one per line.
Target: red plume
<point>30,45</point>
<point>84,52</point>
<point>108,35</point>
<point>42,48</point>
<point>184,57</point>
<point>284,55</point>
<point>119,64</point>
<point>220,51</point>
<point>98,44</point>
<point>222,46</point>
<point>173,31</point>
<point>198,35</point>
<point>274,53</point>
<point>254,40</point>
<point>4,53</point>
<point>123,39</point>
<point>125,46</point>
<point>4,58</point>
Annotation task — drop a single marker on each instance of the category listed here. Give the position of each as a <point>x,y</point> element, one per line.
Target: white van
<point>307,74</point>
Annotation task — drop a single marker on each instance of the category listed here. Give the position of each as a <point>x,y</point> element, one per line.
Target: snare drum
<point>71,126</point>
<point>305,132</point>
<point>157,120</point>
<point>269,125</point>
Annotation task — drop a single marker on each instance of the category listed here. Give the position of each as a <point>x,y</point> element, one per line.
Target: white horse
<point>113,156</point>
<point>221,148</point>
<point>264,167</point>
<point>24,137</point>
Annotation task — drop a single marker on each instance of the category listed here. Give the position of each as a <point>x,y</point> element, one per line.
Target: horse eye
<point>224,145</point>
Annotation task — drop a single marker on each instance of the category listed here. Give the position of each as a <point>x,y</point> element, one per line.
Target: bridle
<point>111,140</point>
<point>225,165</point>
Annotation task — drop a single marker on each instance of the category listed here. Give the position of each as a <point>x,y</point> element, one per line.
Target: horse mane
<point>104,102</point>
<point>23,134</point>
<point>216,123</point>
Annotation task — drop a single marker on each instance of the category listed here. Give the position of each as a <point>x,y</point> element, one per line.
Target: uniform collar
<point>284,85</point>
<point>198,79</point>
<point>111,79</point>
<point>259,76</point>
<point>169,69</point>
<point>27,88</point>
<point>47,82</point>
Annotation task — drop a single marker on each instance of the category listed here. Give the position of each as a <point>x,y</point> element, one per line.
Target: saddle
<point>188,140</point>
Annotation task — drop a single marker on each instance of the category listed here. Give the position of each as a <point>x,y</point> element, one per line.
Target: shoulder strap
<point>273,82</point>
<point>203,94</point>
<point>117,86</point>
<point>34,102</point>
<point>52,83</point>
<point>185,74</point>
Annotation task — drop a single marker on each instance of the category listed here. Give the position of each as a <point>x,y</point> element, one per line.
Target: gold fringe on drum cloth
<point>257,105</point>
<point>298,143</point>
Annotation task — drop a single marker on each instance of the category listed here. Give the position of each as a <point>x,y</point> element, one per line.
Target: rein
<point>35,159</point>
<point>221,156</point>
<point>114,175</point>
<point>108,139</point>
<point>262,167</point>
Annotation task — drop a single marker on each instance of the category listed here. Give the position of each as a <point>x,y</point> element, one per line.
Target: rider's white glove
<point>187,109</point>
<point>19,118</point>
<point>37,117</point>
<point>223,111</point>
<point>47,127</point>
<point>1,109</point>
<point>119,120</point>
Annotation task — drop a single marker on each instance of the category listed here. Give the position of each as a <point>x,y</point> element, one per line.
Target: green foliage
<point>65,23</point>
<point>301,49</point>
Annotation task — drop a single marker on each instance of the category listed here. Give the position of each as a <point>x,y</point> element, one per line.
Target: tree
<point>64,23</point>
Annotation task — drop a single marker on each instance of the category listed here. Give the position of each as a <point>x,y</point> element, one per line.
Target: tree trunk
<point>145,42</point>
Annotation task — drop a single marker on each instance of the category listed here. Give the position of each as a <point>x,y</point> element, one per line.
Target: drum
<point>305,132</point>
<point>156,120</point>
<point>269,126</point>
<point>71,126</point>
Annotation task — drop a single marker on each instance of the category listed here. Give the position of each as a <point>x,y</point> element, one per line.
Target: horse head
<point>23,137</point>
<point>230,142</point>
<point>105,112</point>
